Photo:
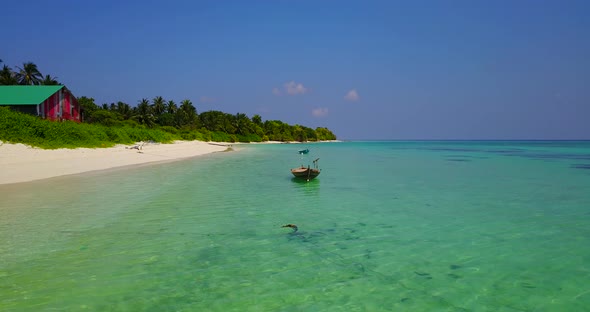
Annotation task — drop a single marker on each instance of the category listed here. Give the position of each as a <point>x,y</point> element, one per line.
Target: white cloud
<point>352,95</point>
<point>294,88</point>
<point>319,112</point>
<point>290,88</point>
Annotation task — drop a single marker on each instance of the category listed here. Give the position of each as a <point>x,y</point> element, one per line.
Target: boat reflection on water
<point>308,187</point>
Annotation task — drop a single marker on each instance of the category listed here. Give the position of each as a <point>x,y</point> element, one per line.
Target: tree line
<point>168,116</point>
<point>180,119</point>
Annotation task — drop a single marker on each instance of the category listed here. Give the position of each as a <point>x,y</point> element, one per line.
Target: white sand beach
<point>22,163</point>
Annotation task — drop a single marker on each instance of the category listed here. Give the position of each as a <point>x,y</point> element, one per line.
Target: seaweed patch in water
<point>581,166</point>
<point>554,156</point>
<point>457,159</point>
<point>455,266</point>
<point>506,151</point>
<point>423,274</point>
<point>453,149</point>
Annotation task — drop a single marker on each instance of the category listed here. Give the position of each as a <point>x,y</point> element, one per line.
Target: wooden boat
<point>307,173</point>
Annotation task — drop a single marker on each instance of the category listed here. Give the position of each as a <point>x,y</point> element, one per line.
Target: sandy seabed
<point>22,163</point>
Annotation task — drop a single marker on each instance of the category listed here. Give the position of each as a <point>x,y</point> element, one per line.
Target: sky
<point>367,70</point>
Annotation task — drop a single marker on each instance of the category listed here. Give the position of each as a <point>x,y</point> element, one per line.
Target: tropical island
<point>46,131</point>
<point>156,120</point>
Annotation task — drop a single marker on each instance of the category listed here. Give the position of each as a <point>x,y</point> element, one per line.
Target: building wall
<point>71,108</point>
<point>51,106</point>
<point>27,109</point>
<point>62,105</point>
<point>75,108</point>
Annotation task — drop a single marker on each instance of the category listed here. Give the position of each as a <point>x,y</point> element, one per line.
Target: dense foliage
<point>157,120</point>
<point>186,122</point>
<point>17,127</point>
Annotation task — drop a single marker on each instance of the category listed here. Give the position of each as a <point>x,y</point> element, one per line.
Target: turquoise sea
<point>387,226</point>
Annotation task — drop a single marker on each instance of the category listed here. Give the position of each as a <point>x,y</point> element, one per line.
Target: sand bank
<point>22,163</point>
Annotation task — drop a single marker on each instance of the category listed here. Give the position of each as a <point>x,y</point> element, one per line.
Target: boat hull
<point>305,173</point>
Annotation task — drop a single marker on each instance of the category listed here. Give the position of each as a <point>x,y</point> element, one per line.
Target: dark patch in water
<point>422,273</point>
<point>457,159</point>
<point>455,276</point>
<point>448,149</point>
<point>404,299</point>
<point>466,156</point>
<point>507,151</point>
<point>455,266</point>
<point>359,266</point>
<point>581,166</point>
<point>528,285</point>
<point>511,152</point>
<point>553,156</point>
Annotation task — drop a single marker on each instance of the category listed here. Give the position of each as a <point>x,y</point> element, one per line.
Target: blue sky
<point>364,69</point>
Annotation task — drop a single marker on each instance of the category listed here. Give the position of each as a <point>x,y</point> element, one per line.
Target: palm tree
<point>124,109</point>
<point>171,107</point>
<point>144,113</point>
<point>29,74</point>
<point>50,81</point>
<point>158,106</point>
<point>187,112</point>
<point>242,124</point>
<point>7,76</point>
<point>211,120</point>
<point>257,120</point>
<point>227,123</point>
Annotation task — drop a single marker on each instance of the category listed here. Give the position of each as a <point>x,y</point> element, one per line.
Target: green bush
<point>218,136</point>
<point>170,129</point>
<point>17,127</point>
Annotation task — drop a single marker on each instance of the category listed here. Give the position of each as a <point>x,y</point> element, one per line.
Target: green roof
<point>26,95</point>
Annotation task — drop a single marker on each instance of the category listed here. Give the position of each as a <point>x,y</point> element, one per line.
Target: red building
<point>50,102</point>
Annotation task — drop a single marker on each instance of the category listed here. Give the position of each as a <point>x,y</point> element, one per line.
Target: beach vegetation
<point>186,122</point>
<point>158,120</point>
<point>29,74</point>
<point>16,127</point>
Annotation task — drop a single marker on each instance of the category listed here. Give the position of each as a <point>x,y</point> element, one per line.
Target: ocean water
<point>387,226</point>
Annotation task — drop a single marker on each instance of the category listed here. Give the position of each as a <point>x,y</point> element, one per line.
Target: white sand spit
<point>22,163</point>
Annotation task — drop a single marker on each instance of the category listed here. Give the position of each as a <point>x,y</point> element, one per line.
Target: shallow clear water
<point>407,226</point>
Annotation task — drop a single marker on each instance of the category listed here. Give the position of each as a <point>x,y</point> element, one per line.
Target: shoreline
<point>22,163</point>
